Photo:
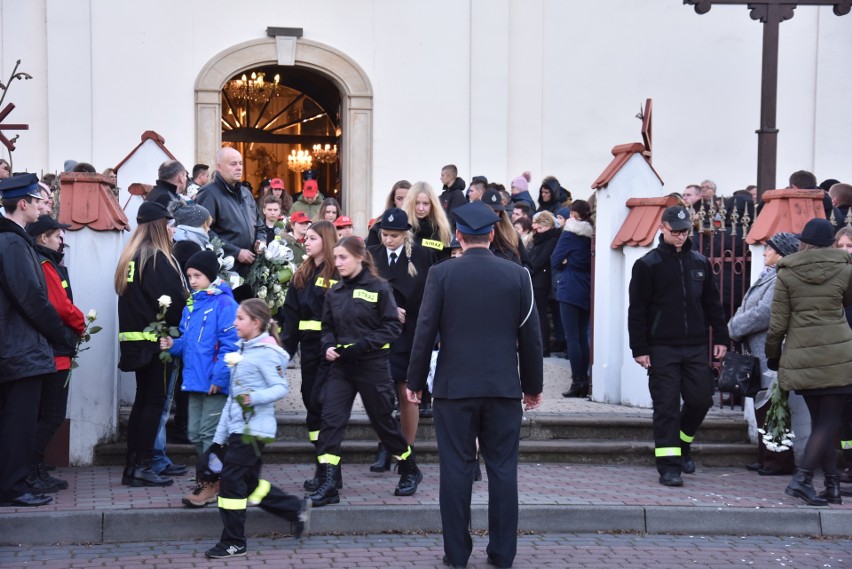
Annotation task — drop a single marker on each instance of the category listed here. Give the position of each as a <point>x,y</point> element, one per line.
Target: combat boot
<point>383,460</point>
<point>326,493</point>
<point>409,477</point>
<point>831,494</point>
<point>205,492</point>
<point>801,486</point>
<point>312,484</point>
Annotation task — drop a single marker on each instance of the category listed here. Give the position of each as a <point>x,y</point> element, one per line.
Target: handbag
<point>740,374</point>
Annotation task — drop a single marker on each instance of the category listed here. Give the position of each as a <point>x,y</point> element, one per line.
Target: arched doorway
<point>356,109</point>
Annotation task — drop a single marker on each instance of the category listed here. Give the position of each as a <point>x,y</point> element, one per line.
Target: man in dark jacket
<point>452,195</point>
<point>171,181</point>
<point>30,325</point>
<point>673,298</point>
<point>490,358</point>
<point>234,211</point>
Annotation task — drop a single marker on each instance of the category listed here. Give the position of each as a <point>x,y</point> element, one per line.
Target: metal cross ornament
<point>10,144</point>
<point>771,13</point>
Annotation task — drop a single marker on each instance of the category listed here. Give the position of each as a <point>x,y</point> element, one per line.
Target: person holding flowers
<point>207,334</point>
<point>811,290</point>
<point>150,289</point>
<point>248,422</point>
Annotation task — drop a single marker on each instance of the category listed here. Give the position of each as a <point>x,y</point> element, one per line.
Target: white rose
<point>165,301</point>
<point>233,358</point>
<point>93,314</point>
<point>262,292</point>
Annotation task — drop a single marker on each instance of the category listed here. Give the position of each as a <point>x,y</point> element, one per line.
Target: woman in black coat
<point>545,236</point>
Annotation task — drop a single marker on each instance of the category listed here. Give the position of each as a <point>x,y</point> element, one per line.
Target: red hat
<point>276,183</point>
<point>300,217</point>
<point>310,188</point>
<point>342,221</point>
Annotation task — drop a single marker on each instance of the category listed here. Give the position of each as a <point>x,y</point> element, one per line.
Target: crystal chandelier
<point>252,90</point>
<point>299,161</point>
<point>325,155</point>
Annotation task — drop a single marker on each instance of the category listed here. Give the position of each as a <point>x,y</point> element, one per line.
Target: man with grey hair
<point>171,180</point>
<point>708,191</point>
<point>233,209</point>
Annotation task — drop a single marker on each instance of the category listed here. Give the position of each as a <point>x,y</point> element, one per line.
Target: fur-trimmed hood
<point>581,228</point>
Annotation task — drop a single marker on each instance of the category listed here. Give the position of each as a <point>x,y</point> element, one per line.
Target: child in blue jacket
<point>207,333</point>
<point>247,423</point>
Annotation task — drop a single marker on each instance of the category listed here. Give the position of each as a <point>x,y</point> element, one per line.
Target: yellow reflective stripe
<point>131,270</point>
<point>404,455</point>
<point>686,438</point>
<point>385,347</point>
<point>432,244</point>
<point>321,282</point>
<point>667,451</point>
<point>64,284</point>
<point>328,459</point>
<point>313,436</point>
<point>263,488</point>
<point>137,336</point>
<point>365,295</point>
<point>233,503</point>
<point>310,325</point>
<point>846,445</point>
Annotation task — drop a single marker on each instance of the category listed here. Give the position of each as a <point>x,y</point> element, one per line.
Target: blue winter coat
<point>207,333</point>
<point>572,260</point>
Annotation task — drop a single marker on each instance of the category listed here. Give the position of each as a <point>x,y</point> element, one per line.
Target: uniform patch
<point>365,295</point>
<point>432,244</point>
<point>321,282</point>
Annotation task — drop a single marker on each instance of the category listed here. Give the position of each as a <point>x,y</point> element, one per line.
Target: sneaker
<point>303,523</point>
<point>203,494</point>
<point>222,551</point>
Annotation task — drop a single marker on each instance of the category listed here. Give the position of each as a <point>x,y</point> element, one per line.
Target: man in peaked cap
<point>31,324</point>
<point>480,380</point>
<point>672,299</point>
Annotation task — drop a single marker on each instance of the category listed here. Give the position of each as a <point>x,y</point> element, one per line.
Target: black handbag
<point>740,374</point>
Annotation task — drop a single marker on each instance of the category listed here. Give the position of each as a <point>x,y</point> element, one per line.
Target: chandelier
<point>325,155</point>
<point>299,161</point>
<point>252,90</point>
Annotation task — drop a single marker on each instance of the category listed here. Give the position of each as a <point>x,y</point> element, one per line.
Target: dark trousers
<point>51,411</point>
<point>241,479</point>
<point>542,306</point>
<point>575,321</point>
<point>784,461</point>
<point>314,373</point>
<point>678,372</point>
<point>497,424</point>
<point>370,378</point>
<point>19,400</point>
<point>151,384</point>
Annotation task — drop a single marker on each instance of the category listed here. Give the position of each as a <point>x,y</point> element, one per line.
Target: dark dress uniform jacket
<point>483,308</point>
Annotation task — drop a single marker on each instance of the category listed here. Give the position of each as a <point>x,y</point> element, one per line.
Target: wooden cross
<point>771,13</point>
<point>9,144</point>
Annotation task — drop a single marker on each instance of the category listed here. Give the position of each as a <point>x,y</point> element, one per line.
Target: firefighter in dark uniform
<point>301,318</point>
<point>490,361</point>
<point>359,321</point>
<point>404,265</point>
<point>673,298</point>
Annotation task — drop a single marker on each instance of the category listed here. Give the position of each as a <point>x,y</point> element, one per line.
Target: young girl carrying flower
<point>247,422</point>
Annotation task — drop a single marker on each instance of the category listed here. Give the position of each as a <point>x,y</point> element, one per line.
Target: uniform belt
<point>385,347</point>
<point>137,337</point>
<point>310,325</point>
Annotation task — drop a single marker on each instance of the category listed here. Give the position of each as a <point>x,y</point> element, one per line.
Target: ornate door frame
<point>356,93</point>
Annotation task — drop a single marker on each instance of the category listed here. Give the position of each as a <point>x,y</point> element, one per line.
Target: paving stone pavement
<point>420,551</point>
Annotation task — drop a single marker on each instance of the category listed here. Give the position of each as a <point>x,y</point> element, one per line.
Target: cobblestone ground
<point>421,551</point>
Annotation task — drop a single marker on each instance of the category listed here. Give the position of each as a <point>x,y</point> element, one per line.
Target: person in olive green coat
<point>812,288</point>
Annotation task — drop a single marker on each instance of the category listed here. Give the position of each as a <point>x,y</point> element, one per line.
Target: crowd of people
<point>395,317</point>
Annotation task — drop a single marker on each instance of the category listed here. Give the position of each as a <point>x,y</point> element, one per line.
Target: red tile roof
<point>87,201</point>
<point>622,153</point>
<point>785,210</point>
<point>147,135</point>
<point>643,221</point>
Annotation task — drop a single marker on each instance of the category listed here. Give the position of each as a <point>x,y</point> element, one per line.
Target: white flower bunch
<point>233,358</point>
<point>278,252</point>
<point>786,442</point>
<point>261,292</point>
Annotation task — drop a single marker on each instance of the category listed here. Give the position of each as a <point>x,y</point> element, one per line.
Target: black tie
<point>393,259</point>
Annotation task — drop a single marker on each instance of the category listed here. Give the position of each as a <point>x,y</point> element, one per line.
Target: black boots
<point>138,473</point>
<point>326,492</point>
<point>831,494</point>
<point>409,477</point>
<point>801,486</point>
<point>383,460</point>
<point>312,484</point>
<point>40,482</point>
<point>579,388</point>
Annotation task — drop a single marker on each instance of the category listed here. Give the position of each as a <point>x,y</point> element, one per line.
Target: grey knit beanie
<point>784,243</point>
<point>192,215</point>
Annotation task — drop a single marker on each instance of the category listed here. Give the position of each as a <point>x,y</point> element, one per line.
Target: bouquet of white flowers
<point>271,273</point>
<point>776,432</point>
<point>226,264</point>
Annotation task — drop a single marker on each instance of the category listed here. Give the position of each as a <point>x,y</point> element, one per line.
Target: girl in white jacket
<point>247,423</point>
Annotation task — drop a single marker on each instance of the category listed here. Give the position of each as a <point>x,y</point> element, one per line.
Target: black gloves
<point>772,363</point>
<point>352,352</point>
